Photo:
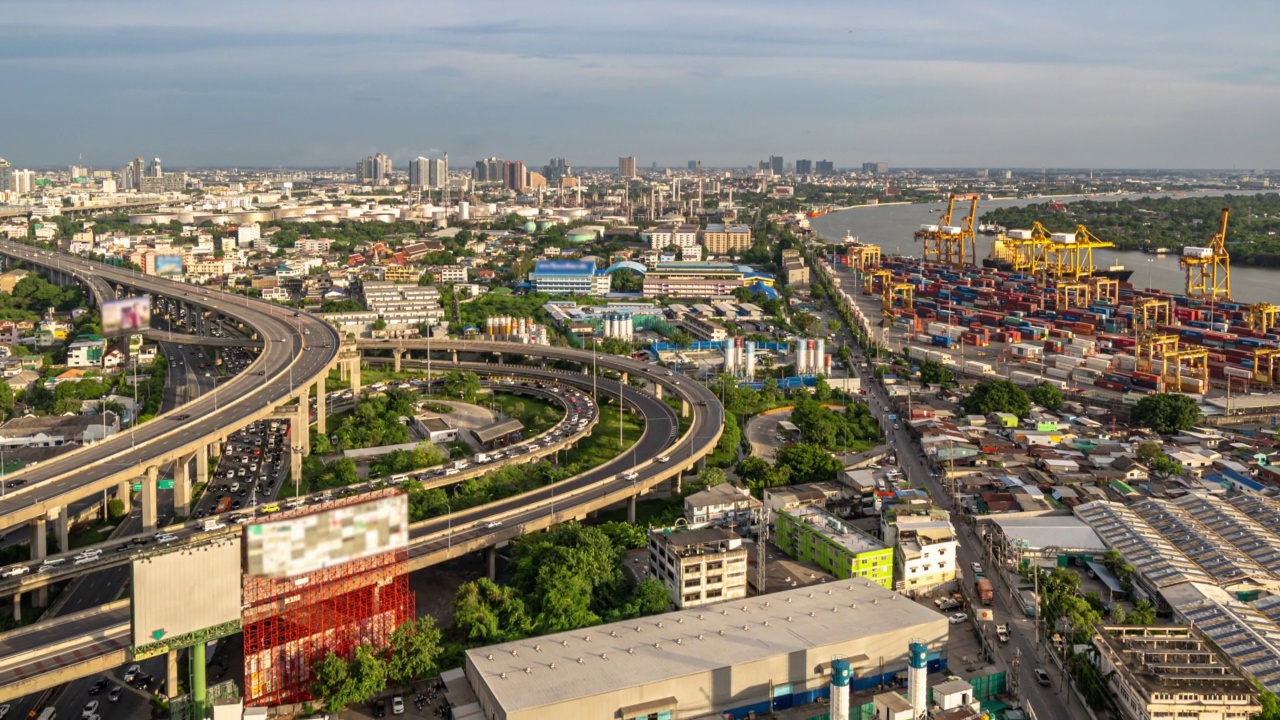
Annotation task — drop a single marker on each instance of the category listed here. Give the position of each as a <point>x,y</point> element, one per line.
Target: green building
<point>810,534</point>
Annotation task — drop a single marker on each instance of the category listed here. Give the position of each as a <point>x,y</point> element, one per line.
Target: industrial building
<point>1166,672</point>
<point>569,277</point>
<point>810,534</point>
<point>732,659</point>
<point>699,567</point>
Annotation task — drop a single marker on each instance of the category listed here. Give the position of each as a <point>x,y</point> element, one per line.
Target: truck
<point>986,591</point>
<point>482,457</point>
<point>224,505</point>
<point>212,524</point>
<point>1002,632</point>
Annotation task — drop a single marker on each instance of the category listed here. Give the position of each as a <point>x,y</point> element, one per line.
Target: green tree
<point>331,683</point>
<point>1144,613</point>
<point>1270,704</point>
<point>808,463</point>
<point>1166,413</point>
<point>991,396</point>
<point>935,373</point>
<point>115,509</point>
<point>1047,395</point>
<point>485,612</point>
<point>625,535</point>
<point>708,477</point>
<point>463,384</point>
<point>320,445</point>
<point>367,675</point>
<point>413,650</point>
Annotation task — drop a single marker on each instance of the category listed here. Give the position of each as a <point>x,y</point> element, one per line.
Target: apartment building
<point>682,236</point>
<point>720,504</point>
<point>699,567</point>
<point>720,239</point>
<point>810,534</point>
<point>924,556</point>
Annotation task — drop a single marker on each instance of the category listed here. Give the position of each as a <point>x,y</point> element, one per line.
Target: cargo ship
<point>1001,258</point>
<point>1081,348</point>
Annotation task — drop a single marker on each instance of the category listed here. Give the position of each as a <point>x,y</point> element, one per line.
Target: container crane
<point>933,235</point>
<point>1262,316</point>
<point>945,243</point>
<point>1071,254</point>
<point>1209,268</point>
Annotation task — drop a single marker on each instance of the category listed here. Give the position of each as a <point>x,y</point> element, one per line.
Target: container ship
<point>1094,346</point>
<point>1001,258</point>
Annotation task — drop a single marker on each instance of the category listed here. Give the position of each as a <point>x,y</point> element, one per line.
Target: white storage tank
<point>464,210</point>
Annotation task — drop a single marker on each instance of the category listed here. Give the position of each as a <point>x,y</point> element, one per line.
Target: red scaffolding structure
<point>292,623</point>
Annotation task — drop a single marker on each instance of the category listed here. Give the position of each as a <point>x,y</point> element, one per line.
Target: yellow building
<point>721,239</point>
<point>401,274</point>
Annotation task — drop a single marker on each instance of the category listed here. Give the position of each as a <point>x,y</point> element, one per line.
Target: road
<point>1048,703</point>
<point>298,349</point>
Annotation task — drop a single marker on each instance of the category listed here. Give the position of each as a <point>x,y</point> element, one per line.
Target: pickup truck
<point>213,524</point>
<point>1002,632</point>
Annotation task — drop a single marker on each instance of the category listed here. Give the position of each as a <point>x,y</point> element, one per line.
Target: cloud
<point>916,83</point>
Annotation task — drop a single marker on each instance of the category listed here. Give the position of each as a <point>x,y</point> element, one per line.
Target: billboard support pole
<point>196,656</point>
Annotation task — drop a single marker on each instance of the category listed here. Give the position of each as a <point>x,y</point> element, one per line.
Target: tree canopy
<point>1166,413</point>
<point>1047,395</point>
<point>991,396</point>
<point>935,373</point>
<point>808,463</point>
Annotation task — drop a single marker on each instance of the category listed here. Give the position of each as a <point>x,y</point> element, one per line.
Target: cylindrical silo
<point>464,210</point>
<point>820,356</point>
<point>917,685</point>
<point>750,370</point>
<point>841,674</point>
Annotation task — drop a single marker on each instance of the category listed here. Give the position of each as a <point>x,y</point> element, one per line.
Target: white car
<point>132,673</point>
<point>90,709</point>
<point>977,567</point>
<point>493,524</point>
<point>397,705</point>
<point>4,710</point>
<point>664,458</point>
<point>14,571</point>
<point>957,618</point>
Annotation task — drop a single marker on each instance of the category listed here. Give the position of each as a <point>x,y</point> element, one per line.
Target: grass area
<point>601,445</point>
<point>81,537</point>
<point>458,450</point>
<point>658,512</point>
<point>537,415</point>
<point>685,420</point>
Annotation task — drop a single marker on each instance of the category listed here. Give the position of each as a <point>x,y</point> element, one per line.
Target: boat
<point>1001,258</point>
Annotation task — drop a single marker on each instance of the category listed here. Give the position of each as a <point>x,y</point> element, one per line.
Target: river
<point>892,226</point>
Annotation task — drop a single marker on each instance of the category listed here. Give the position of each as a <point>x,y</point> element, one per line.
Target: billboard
<point>184,596</point>
<point>298,545</point>
<point>168,265</point>
<point>126,315</point>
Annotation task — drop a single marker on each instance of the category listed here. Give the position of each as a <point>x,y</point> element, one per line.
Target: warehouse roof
<point>556,668</point>
<point>1051,530</point>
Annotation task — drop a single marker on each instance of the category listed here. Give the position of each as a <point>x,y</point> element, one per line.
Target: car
<point>182,417</point>
<point>664,458</point>
<point>125,547</point>
<point>90,708</point>
<point>380,708</point>
<point>1042,677</point>
<point>272,508</point>
<point>977,567</point>
<point>397,705</point>
<point>139,541</point>
<point>15,571</point>
<point>114,695</point>
<point>132,673</point>
<point>98,686</point>
<point>493,524</point>
<point>4,710</point>
<point>166,538</point>
<point>957,618</point>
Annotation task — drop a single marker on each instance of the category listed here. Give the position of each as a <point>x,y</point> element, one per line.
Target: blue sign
<point>893,417</point>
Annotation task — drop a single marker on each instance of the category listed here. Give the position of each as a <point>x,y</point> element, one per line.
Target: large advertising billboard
<point>169,265</point>
<point>184,596</point>
<point>126,315</point>
<point>298,545</point>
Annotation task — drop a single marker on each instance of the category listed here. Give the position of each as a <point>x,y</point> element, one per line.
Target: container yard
<point>1091,335</point>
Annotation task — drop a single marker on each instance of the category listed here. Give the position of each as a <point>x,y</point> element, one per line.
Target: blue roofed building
<point>569,277</point>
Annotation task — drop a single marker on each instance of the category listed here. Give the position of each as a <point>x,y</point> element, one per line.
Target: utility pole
<point>762,541</point>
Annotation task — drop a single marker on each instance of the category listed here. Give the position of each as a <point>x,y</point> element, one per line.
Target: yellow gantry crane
<point>1070,255</point>
<point>945,243</point>
<point>1029,248</point>
<point>1209,268</point>
<point>1262,316</point>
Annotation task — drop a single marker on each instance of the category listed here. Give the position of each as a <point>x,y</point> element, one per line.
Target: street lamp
<point>297,480</point>
<point>449,524</point>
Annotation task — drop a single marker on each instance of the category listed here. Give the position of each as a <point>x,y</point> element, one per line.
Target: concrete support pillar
<point>625,377</point>
<point>123,491</point>
<point>631,509</point>
<point>39,550</point>
<point>321,407</point>
<point>454,356</point>
<point>202,465</point>
<point>353,374</point>
<point>302,425</point>
<point>342,371</point>
<point>397,354</point>
<point>701,464</point>
<point>684,408</point>
<point>62,529</point>
<point>172,676</point>
<point>182,486</point>
<point>148,497</point>
<point>677,484</point>
<point>295,466</point>
<point>657,390</point>
<point>17,607</point>
<point>492,554</point>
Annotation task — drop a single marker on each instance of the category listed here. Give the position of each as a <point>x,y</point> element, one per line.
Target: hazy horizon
<point>320,84</point>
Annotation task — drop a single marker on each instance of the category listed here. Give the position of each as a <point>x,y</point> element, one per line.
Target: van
<point>235,486</point>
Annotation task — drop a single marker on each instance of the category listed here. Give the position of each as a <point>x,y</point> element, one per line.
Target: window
<point>713,594</point>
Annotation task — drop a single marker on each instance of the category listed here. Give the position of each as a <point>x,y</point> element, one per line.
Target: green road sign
<point>162,484</point>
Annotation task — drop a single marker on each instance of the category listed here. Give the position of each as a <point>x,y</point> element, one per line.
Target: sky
<point>306,83</point>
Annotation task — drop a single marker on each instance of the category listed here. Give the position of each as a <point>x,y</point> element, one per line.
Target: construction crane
<point>1069,256</point>
<point>1209,268</point>
<point>1029,248</point>
<point>945,243</point>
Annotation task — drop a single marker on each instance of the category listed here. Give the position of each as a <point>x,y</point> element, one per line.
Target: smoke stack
<point>917,685</point>
<point>841,673</point>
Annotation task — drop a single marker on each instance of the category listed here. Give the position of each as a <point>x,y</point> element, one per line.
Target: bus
<point>47,714</point>
<point>224,505</point>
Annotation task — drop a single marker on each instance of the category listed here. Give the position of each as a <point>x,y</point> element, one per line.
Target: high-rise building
<point>804,167</point>
<point>695,165</point>
<point>438,172</point>
<point>825,167</point>
<point>875,168</point>
<point>537,181</point>
<point>373,169</point>
<point>515,175</point>
<point>6,175</point>
<point>418,170</point>
<point>776,164</point>
<point>23,182</point>
<point>156,171</point>
<point>481,172</point>
<point>556,169</point>
<point>627,166</point>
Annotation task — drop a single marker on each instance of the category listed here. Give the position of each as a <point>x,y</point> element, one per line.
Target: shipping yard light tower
<point>1209,268</point>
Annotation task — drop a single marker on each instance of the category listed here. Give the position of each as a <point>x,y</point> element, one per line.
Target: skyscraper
<point>875,168</point>
<point>6,175</point>
<point>693,165</point>
<point>556,169</point>
<point>139,172</point>
<point>155,168</point>
<point>804,167</point>
<point>627,166</point>
<point>438,172</point>
<point>776,164</point>
<point>515,175</point>
<point>373,169</point>
<point>826,167</point>
<point>419,168</point>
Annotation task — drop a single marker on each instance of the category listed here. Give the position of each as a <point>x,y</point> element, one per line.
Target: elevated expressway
<point>57,651</point>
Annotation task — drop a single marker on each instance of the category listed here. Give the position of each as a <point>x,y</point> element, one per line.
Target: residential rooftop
<point>838,531</point>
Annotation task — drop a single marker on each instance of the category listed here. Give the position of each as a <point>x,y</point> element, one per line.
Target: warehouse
<point>737,657</point>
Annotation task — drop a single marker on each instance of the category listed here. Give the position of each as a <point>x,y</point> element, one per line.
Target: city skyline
<point>319,84</point>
